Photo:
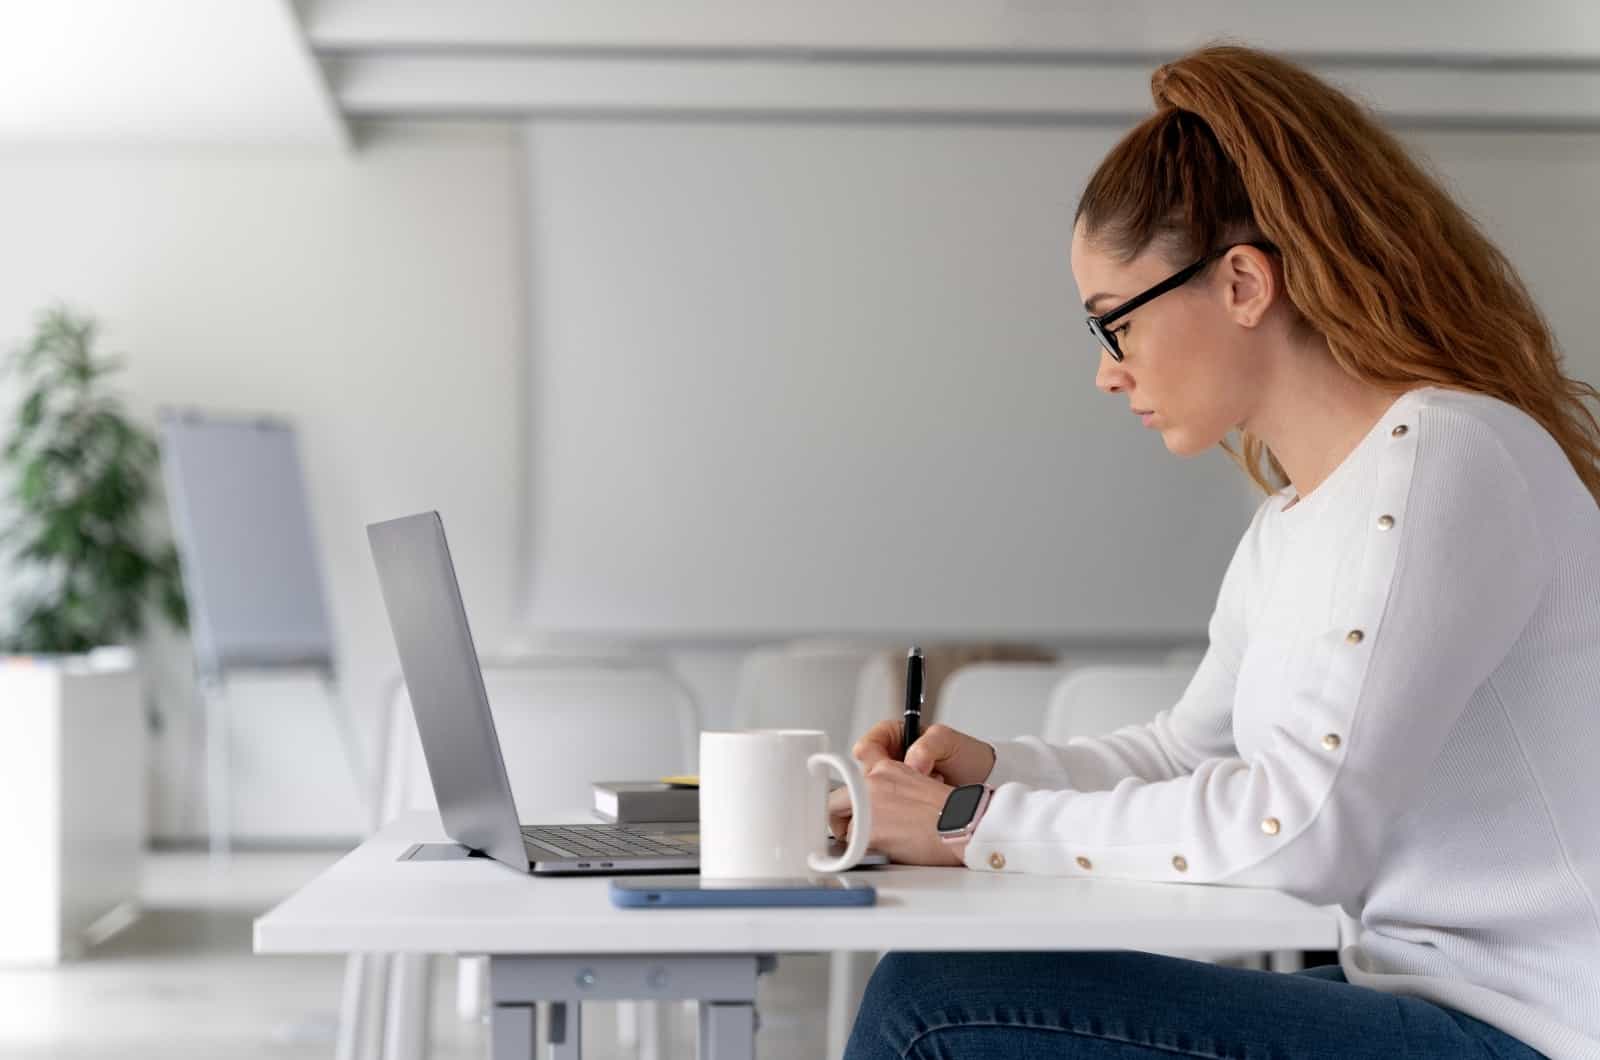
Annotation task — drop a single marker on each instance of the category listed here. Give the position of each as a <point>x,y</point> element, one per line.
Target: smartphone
<point>649,892</point>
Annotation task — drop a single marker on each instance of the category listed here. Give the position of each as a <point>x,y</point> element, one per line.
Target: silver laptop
<point>442,674</point>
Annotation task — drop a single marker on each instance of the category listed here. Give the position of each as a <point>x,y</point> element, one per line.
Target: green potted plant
<point>82,475</point>
<point>82,572</point>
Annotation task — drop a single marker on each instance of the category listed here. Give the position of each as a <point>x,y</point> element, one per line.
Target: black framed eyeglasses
<point>1099,324</point>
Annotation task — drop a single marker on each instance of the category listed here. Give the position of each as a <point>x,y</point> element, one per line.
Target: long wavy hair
<point>1377,258</point>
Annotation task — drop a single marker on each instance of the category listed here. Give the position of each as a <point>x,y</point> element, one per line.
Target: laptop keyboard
<point>605,841</point>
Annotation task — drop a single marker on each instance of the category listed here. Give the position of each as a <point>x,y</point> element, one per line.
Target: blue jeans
<point>1128,1005</point>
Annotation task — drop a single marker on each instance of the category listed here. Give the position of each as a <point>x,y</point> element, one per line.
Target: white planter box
<point>72,800</point>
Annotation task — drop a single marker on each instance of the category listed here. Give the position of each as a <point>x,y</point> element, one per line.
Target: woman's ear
<point>1251,284</point>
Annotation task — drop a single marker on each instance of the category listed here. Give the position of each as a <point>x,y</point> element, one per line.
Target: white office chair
<point>1000,701</point>
<point>801,685</point>
<point>875,692</point>
<point>562,724</point>
<point>1095,700</point>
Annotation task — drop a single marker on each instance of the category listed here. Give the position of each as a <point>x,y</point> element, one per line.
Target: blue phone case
<point>651,894</point>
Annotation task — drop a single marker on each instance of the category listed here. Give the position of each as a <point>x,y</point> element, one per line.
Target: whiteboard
<point>809,376</point>
<point>244,533</point>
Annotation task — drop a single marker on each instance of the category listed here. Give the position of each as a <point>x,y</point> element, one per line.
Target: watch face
<point>959,807</point>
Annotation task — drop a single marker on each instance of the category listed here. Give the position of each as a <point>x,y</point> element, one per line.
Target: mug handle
<point>860,809</point>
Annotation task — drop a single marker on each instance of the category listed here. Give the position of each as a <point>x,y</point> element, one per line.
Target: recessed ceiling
<point>1531,65</point>
<point>160,73</point>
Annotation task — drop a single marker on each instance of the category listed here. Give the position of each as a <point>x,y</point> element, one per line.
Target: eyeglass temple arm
<point>1177,279</point>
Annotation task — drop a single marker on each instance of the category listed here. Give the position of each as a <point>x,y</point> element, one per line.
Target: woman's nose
<point>1109,375</point>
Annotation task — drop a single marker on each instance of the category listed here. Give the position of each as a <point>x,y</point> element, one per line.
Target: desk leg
<point>513,1032</point>
<point>566,1030</point>
<point>727,1030</point>
<point>848,972</point>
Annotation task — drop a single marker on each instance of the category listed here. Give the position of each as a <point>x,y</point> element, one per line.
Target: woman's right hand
<point>940,751</point>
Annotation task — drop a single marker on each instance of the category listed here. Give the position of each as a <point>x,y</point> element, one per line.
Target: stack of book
<point>635,801</point>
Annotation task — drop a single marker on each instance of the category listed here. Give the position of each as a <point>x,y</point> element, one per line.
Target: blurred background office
<point>732,340</point>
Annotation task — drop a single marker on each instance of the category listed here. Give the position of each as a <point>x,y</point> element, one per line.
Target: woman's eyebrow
<point>1092,299</point>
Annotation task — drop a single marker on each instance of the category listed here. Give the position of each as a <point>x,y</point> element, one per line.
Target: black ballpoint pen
<point>912,727</point>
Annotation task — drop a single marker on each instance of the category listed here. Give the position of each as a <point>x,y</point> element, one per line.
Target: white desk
<point>560,940</point>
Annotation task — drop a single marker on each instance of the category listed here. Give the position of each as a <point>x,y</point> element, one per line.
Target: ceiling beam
<point>1535,66</point>
<point>1536,31</point>
<point>410,85</point>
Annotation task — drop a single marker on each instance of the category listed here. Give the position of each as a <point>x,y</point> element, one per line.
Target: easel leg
<point>214,701</point>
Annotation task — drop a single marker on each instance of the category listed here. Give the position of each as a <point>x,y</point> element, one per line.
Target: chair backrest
<point>803,685</point>
<point>1000,701</point>
<point>880,693</point>
<point>1095,700</point>
<point>562,724</point>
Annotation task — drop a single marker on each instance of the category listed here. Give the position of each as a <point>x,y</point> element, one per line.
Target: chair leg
<point>361,1004</point>
<point>653,1021</point>
<point>1286,960</point>
<point>627,1026</point>
<point>406,1024</point>
<point>848,972</point>
<point>643,1026</point>
<point>472,979</point>
<point>1252,960</point>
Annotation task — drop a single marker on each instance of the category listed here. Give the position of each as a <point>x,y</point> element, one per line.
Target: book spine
<point>643,806</point>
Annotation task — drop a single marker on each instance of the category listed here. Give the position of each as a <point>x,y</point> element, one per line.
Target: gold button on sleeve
<point>1331,741</point>
<point>1400,431</point>
<point>1083,863</point>
<point>1269,825</point>
<point>1355,636</point>
<point>1385,522</point>
<point>997,861</point>
<point>1180,863</point>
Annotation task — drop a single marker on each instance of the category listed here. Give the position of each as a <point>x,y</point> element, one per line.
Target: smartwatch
<point>963,809</point>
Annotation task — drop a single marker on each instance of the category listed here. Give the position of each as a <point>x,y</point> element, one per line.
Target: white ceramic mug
<point>764,804</point>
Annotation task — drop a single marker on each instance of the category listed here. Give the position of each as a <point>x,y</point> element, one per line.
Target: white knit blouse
<point>1398,713</point>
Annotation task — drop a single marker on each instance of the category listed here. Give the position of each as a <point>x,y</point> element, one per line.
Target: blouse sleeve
<point>1452,568</point>
<point>1199,726</point>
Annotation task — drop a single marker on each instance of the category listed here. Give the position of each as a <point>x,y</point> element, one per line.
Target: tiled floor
<point>181,984</point>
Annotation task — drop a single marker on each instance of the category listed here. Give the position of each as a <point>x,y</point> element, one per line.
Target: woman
<point>1397,708</point>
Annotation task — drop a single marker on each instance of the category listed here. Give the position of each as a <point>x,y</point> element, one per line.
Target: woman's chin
<point>1180,443</point>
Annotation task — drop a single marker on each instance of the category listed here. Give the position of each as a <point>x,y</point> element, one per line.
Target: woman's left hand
<point>905,807</point>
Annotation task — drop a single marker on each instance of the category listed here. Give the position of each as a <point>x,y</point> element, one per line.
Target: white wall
<point>831,377</point>
<point>377,300</point>
<point>1536,195</point>
<point>373,299</point>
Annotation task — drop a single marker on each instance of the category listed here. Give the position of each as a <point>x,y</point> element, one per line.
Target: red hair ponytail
<point>1377,257</point>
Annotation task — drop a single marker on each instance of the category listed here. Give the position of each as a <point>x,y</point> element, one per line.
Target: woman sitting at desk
<point>1397,711</point>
